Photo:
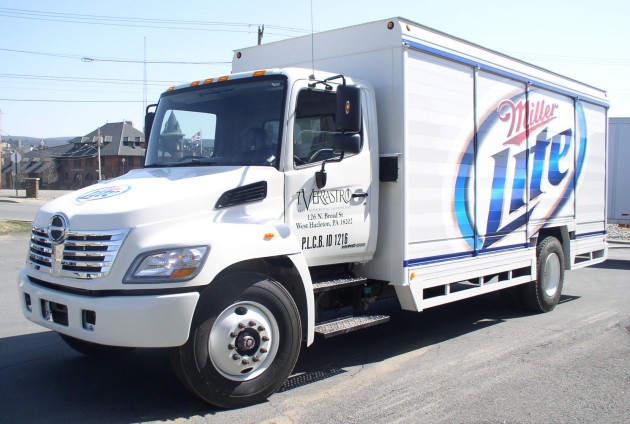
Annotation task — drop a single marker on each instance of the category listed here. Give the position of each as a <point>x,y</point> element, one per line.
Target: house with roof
<point>122,148</point>
<point>76,164</point>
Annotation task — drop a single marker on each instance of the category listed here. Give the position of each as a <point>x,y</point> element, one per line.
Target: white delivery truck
<point>325,173</point>
<point>618,174</point>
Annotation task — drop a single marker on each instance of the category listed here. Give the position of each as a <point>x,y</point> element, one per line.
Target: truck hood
<point>152,195</point>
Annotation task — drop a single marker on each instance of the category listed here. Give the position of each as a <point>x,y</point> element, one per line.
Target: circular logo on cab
<point>103,193</point>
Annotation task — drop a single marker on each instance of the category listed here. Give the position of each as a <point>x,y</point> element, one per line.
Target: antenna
<point>312,43</point>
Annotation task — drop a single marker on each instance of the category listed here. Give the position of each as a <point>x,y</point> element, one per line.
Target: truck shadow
<point>39,369</point>
<point>614,264</point>
<point>406,332</point>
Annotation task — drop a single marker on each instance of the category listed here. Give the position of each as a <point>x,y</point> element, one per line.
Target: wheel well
<point>282,270</point>
<point>562,234</point>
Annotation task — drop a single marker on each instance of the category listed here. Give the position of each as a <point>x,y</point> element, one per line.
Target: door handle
<point>357,195</point>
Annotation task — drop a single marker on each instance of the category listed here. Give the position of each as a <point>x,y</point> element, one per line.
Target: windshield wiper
<point>190,161</point>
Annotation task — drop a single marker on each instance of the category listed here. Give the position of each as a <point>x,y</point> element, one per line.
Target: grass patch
<point>8,227</point>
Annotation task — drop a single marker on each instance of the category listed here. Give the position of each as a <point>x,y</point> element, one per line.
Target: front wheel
<point>244,342</point>
<point>543,294</point>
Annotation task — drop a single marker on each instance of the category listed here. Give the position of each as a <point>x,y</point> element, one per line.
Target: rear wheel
<point>543,294</point>
<point>244,341</point>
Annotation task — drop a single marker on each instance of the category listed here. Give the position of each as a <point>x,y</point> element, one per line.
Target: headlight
<point>168,265</point>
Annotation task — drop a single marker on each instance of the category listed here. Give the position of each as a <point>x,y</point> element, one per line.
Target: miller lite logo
<point>529,153</point>
<point>103,193</point>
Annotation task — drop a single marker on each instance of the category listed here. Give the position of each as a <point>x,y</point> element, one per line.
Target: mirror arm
<point>320,176</point>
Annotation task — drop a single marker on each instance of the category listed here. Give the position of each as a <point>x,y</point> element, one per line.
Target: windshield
<point>232,123</point>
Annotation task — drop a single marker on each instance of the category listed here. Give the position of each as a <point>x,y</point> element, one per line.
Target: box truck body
<point>618,173</point>
<point>489,151</point>
<point>324,174</point>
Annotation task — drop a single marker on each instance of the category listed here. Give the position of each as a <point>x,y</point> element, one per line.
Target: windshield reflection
<point>226,124</point>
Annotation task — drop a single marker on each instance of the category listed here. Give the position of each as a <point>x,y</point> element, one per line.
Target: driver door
<point>332,223</point>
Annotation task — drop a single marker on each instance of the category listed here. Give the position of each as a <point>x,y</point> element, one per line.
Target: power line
<point>112,59</point>
<point>89,80</point>
<point>140,22</point>
<point>71,101</point>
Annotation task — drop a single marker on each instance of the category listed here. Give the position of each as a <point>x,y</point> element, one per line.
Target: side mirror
<point>348,117</point>
<point>149,117</point>
<point>341,143</point>
<point>346,143</point>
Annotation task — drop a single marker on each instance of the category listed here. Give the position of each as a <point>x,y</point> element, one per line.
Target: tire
<point>94,350</point>
<point>543,294</point>
<point>244,341</point>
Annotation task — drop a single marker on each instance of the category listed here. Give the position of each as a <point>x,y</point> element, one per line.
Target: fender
<point>237,243</point>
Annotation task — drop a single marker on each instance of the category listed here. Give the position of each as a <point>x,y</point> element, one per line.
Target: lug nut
<point>261,328</point>
<point>245,362</point>
<point>236,357</point>
<point>231,346</point>
<point>241,325</point>
<point>233,334</point>
<point>255,359</point>
<point>252,323</point>
<point>265,338</point>
<point>263,350</point>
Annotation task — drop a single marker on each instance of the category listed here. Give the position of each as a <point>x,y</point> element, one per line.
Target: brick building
<point>123,148</point>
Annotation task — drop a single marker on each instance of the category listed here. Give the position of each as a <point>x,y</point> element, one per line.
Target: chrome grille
<point>83,255</point>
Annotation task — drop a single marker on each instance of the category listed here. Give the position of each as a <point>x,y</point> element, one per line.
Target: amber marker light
<point>390,25</point>
<point>412,275</point>
<point>269,236</point>
<point>208,81</point>
<point>194,83</point>
<point>259,73</point>
<point>182,273</point>
<point>171,88</point>
<point>238,55</point>
<point>224,78</point>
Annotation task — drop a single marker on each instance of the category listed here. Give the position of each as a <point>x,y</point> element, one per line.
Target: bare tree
<point>49,172</point>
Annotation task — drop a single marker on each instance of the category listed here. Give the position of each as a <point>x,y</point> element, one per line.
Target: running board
<point>349,324</point>
<point>339,283</point>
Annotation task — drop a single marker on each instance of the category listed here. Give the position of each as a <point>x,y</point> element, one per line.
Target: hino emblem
<point>58,229</point>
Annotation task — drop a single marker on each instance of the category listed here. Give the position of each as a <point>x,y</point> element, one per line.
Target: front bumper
<point>134,321</point>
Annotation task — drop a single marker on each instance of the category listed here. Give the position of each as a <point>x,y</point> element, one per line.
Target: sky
<point>70,66</point>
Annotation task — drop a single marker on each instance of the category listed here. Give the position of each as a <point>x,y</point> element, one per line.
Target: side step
<point>339,283</point>
<point>349,324</point>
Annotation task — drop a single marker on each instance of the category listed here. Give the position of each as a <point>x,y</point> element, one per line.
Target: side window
<point>314,127</point>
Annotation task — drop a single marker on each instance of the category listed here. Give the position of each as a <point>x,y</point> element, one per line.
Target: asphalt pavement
<point>471,361</point>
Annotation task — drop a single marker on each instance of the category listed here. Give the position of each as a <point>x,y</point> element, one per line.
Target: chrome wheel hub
<point>551,275</point>
<point>243,341</point>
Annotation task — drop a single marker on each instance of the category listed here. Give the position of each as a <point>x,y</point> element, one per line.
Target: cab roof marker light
<point>194,83</point>
<point>259,73</point>
<point>171,88</point>
<point>224,78</point>
<point>208,81</point>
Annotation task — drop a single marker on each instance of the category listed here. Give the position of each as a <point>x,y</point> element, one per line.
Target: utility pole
<point>98,141</point>
<point>261,30</point>
<point>1,148</point>
<point>144,85</point>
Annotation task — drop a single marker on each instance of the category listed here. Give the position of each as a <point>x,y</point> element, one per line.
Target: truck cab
<point>259,183</point>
